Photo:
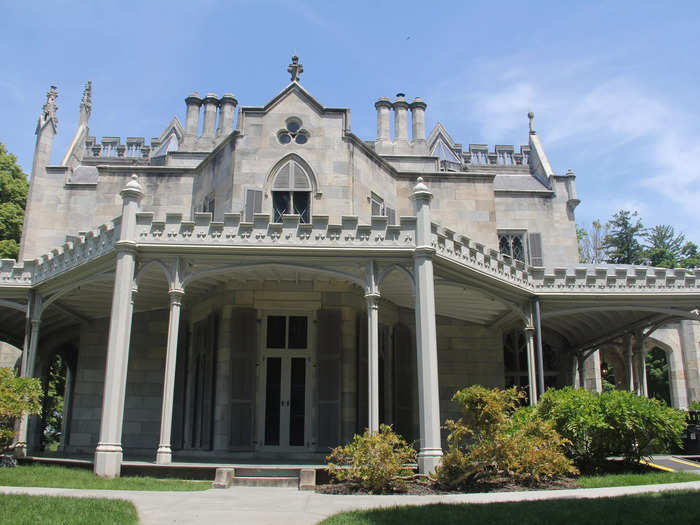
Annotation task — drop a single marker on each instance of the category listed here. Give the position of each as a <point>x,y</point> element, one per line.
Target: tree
<point>18,395</point>
<point>689,256</point>
<point>663,247</point>
<point>591,248</point>
<point>13,197</point>
<point>621,243</point>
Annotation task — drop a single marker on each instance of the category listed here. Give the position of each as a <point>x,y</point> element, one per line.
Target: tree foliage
<point>622,240</point>
<point>591,248</point>
<point>18,395</point>
<point>13,197</point>
<point>663,246</point>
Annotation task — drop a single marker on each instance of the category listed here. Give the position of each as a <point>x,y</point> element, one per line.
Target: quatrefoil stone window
<point>293,132</point>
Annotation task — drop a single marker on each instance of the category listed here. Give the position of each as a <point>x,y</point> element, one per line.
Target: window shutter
<point>329,355</point>
<point>243,351</point>
<point>391,213</point>
<point>282,180</point>
<point>534,242</point>
<point>405,377</point>
<point>253,204</point>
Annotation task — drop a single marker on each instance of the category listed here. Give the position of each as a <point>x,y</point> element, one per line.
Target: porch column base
<point>429,459</point>
<point>164,456</point>
<point>108,460</point>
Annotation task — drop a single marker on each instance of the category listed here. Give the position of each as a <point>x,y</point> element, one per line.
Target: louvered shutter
<point>405,378</point>
<point>329,356</point>
<point>253,204</point>
<point>243,353</point>
<point>534,242</point>
<point>391,213</point>
<point>283,178</point>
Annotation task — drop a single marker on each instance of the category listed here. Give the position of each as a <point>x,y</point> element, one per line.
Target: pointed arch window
<point>291,192</point>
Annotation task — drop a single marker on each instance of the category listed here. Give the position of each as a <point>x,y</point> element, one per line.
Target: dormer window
<point>291,192</point>
<point>293,132</point>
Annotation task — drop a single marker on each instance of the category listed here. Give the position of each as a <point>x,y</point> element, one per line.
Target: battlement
<point>502,155</point>
<point>135,148</point>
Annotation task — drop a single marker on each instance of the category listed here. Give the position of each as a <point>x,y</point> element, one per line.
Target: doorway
<point>286,380</point>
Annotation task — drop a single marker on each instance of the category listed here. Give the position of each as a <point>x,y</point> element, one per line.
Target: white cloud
<point>651,140</point>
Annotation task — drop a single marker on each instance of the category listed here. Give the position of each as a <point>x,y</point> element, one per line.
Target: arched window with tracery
<point>291,192</point>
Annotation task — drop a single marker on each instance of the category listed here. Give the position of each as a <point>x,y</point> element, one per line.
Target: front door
<point>285,386</point>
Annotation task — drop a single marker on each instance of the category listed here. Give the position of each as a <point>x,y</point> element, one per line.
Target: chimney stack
<point>400,118</point>
<point>418,120</point>
<point>228,107</point>
<point>211,104</point>
<point>383,106</point>
<point>194,102</point>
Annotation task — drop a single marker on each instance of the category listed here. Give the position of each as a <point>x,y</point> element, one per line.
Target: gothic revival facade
<point>268,285</point>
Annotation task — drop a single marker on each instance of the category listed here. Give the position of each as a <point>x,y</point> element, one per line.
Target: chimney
<point>383,106</point>
<point>418,120</point>
<point>211,103</point>
<point>194,102</point>
<point>400,118</point>
<point>228,106</point>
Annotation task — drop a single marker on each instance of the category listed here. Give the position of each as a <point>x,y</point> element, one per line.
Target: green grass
<point>19,509</point>
<point>76,478</point>
<point>647,478</point>
<point>679,508</point>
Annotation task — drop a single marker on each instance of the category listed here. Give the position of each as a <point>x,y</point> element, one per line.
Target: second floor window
<point>291,192</point>
<point>513,245</point>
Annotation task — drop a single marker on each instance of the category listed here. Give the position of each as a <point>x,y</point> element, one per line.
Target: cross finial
<point>295,68</point>
<point>531,117</point>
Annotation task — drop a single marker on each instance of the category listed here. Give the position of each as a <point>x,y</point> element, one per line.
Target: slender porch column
<point>538,346</point>
<point>373,359</point>
<point>108,454</point>
<point>630,363</point>
<point>531,368</point>
<point>426,338</point>
<point>164,454</point>
<point>31,343</point>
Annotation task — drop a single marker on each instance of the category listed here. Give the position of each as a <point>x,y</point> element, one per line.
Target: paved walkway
<point>260,506</point>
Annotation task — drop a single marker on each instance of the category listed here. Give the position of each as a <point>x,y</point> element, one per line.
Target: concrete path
<point>260,506</point>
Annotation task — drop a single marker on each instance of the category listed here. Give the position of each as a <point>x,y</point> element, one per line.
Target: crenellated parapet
<point>134,149</point>
<point>612,279</point>
<point>461,249</point>
<point>13,273</point>
<point>77,250</point>
<point>233,231</point>
<point>502,155</point>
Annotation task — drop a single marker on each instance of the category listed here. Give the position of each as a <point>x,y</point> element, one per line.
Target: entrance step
<point>262,476</point>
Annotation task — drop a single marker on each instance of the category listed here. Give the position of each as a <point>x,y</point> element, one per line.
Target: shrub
<point>576,415</point>
<point>377,462</point>
<point>494,437</point>
<point>695,405</point>
<point>614,423</point>
<point>18,395</point>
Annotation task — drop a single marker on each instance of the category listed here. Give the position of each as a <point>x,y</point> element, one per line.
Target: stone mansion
<point>261,283</point>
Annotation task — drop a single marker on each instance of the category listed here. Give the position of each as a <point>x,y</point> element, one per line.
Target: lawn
<point>678,508</point>
<point>17,509</point>
<point>623,480</point>
<point>76,478</point>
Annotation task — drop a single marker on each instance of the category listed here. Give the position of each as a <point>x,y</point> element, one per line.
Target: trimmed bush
<point>376,462</point>
<point>495,437</point>
<point>615,423</point>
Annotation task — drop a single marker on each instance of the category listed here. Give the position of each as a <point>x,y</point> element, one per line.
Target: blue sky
<point>613,84</point>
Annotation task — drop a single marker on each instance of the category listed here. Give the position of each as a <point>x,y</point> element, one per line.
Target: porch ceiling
<point>589,322</point>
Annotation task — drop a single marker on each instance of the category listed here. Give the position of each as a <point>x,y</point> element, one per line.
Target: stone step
<point>260,476</point>
<point>266,472</point>
<point>258,481</point>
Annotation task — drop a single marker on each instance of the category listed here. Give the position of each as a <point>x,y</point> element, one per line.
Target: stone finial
<point>133,188</point>
<point>48,112</point>
<point>421,191</point>
<point>295,68</point>
<point>86,102</point>
<point>531,118</point>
